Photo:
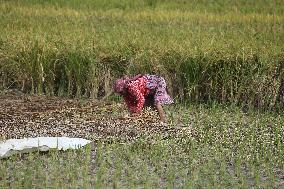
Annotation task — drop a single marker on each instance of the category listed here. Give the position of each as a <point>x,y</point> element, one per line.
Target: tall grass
<point>208,51</point>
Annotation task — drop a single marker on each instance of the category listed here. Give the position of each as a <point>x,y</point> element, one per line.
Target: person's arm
<point>161,112</point>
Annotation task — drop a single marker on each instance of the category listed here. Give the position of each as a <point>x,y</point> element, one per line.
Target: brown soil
<point>23,115</point>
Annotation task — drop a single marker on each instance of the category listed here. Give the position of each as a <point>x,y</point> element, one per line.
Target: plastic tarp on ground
<point>14,146</point>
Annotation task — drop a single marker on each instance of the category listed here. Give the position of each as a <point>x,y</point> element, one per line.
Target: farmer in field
<point>143,90</point>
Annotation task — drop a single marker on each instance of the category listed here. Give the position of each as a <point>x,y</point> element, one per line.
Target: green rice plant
<point>221,51</point>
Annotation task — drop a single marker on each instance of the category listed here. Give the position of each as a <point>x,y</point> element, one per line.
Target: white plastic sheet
<point>14,146</point>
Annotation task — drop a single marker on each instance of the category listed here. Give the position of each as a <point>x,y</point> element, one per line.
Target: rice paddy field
<point>224,65</point>
<point>201,147</point>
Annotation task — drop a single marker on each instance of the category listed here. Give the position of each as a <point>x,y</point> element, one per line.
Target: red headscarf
<point>121,83</point>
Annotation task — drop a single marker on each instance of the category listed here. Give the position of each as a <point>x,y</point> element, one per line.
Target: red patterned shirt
<point>135,98</point>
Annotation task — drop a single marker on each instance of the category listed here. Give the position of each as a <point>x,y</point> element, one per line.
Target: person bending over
<point>143,90</point>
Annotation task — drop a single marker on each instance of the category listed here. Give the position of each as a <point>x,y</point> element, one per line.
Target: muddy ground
<point>23,115</point>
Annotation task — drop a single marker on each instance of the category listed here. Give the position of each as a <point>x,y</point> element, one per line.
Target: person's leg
<point>161,112</point>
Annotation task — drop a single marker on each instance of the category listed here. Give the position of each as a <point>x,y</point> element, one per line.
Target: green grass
<point>226,51</point>
<point>229,149</point>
